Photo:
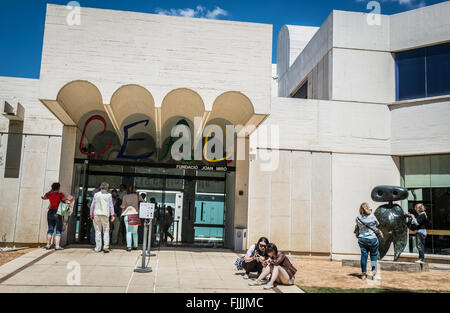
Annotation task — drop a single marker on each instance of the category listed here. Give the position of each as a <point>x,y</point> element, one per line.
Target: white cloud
<point>216,13</point>
<point>199,12</point>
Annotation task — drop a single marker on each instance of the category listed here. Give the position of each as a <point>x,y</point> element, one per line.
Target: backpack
<point>239,263</point>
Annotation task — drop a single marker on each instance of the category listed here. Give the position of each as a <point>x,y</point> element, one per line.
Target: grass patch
<point>307,289</point>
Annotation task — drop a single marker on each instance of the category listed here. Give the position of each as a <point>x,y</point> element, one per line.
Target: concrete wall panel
<point>161,53</point>
<point>420,128</point>
<point>421,27</point>
<point>353,178</point>
<point>315,125</point>
<point>321,203</point>
<point>38,119</point>
<point>366,76</point>
<point>351,30</point>
<point>301,173</point>
<point>295,210</point>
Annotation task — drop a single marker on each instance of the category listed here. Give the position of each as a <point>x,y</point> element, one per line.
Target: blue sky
<point>22,21</point>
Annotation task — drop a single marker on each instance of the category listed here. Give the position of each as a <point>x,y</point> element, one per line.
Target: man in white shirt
<point>102,210</point>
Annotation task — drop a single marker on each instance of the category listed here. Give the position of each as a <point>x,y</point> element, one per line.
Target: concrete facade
<point>22,210</point>
<point>333,147</point>
<point>117,64</point>
<point>112,49</point>
<point>349,134</point>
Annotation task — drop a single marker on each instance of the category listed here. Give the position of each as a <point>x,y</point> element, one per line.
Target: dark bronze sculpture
<point>392,219</point>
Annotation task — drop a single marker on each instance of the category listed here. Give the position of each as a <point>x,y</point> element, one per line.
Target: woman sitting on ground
<point>278,264</point>
<point>255,257</point>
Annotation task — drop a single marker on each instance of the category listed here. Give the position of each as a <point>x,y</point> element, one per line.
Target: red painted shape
<point>93,118</point>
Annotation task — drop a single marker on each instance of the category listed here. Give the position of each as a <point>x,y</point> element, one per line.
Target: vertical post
<point>149,243</point>
<point>66,166</point>
<point>177,231</point>
<point>144,269</point>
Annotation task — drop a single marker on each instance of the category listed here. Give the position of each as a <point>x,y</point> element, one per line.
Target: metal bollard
<point>149,244</point>
<point>143,268</point>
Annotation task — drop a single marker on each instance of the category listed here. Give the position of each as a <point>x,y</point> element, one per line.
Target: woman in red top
<point>54,220</point>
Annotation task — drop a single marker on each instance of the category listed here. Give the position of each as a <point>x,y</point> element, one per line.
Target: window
<point>14,149</point>
<point>438,70</point>
<point>423,72</point>
<point>427,179</point>
<point>302,92</point>
<point>411,74</point>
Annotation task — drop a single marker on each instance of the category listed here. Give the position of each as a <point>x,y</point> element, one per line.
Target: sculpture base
<point>391,266</point>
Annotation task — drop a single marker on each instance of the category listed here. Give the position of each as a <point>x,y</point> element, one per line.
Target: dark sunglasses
<point>260,245</point>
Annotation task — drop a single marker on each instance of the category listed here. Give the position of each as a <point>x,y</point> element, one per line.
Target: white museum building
<point>349,106</point>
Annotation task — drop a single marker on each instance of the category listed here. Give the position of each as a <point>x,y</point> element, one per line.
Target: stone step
<point>391,266</point>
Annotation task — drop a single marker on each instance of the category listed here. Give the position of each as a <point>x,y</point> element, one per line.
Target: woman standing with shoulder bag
<point>130,206</point>
<point>55,222</point>
<point>368,241</point>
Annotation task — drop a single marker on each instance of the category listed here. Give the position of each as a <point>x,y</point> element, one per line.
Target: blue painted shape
<point>121,154</point>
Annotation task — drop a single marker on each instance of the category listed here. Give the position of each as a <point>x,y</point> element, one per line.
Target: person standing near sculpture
<point>102,210</point>
<point>367,239</point>
<point>418,224</point>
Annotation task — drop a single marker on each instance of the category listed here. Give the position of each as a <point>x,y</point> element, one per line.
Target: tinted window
<point>438,70</point>
<point>411,74</point>
<point>423,72</point>
<point>302,92</point>
<point>14,150</point>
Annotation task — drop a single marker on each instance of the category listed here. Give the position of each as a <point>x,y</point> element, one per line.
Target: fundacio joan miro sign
<point>180,149</point>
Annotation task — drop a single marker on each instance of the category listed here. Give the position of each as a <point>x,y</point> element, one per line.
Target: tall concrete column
<point>241,190</point>
<point>187,224</point>
<point>66,166</point>
<point>229,209</point>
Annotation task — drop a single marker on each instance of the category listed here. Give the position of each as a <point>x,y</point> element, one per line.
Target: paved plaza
<point>174,270</point>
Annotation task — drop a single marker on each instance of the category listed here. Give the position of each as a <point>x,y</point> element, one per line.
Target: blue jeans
<point>420,243</point>
<point>132,232</point>
<point>92,234</point>
<point>368,246</point>
<point>54,221</point>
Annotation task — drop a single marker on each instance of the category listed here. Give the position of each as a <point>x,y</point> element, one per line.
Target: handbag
<point>64,209</point>
<point>356,231</point>
<point>134,220</point>
<point>377,231</point>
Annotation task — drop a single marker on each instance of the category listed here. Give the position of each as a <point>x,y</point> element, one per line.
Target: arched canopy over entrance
<point>232,106</point>
<point>79,97</point>
<point>181,106</point>
<point>132,119</point>
<point>129,100</point>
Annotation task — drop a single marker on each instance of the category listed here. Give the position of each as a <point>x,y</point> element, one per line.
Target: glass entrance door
<point>209,225</point>
<point>209,219</point>
<point>190,204</point>
<point>166,225</point>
